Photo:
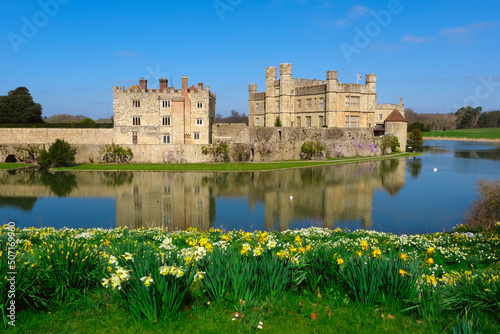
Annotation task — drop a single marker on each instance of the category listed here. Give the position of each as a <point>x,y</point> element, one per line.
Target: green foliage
<point>415,139</point>
<point>240,152</point>
<point>18,107</point>
<point>484,212</point>
<point>467,117</point>
<point>311,149</point>
<point>147,287</point>
<point>60,154</point>
<point>277,122</point>
<point>116,153</point>
<point>389,142</point>
<point>87,121</point>
<point>219,152</point>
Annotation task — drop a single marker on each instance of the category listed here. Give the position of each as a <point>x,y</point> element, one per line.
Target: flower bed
<point>152,270</point>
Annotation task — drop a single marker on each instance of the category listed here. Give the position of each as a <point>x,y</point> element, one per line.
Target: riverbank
<point>481,135</point>
<point>230,166</point>
<point>310,280</point>
<point>462,139</point>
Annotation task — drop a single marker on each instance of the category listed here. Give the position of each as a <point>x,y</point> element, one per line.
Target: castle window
<point>380,117</point>
<point>136,103</point>
<point>277,106</point>
<point>136,121</point>
<point>352,101</point>
<point>256,121</point>
<point>199,105</point>
<point>165,103</point>
<point>257,107</point>
<point>199,121</point>
<point>196,136</point>
<point>134,138</point>
<point>352,121</point>
<point>320,121</point>
<point>299,124</point>
<point>321,103</point>
<point>309,103</point>
<point>308,121</point>
<point>299,103</point>
<point>315,103</point>
<point>166,139</point>
<point>167,120</point>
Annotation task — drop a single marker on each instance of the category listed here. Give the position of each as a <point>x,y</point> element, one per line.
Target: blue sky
<point>437,55</point>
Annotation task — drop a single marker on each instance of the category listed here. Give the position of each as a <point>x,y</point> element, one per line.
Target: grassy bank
<point>311,280</point>
<point>230,166</point>
<point>13,165</point>
<point>471,134</point>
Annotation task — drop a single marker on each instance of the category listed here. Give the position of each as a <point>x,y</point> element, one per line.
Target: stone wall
<point>230,132</point>
<point>88,142</point>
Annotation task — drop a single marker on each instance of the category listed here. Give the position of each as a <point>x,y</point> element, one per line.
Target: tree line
<point>235,117</point>
<point>464,118</point>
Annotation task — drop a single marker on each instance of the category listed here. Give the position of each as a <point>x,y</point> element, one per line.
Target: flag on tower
<point>358,78</point>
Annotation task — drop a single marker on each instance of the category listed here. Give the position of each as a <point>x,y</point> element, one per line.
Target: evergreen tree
<point>18,107</point>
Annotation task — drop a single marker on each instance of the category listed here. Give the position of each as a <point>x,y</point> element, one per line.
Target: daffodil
<point>430,250</point>
<point>403,256</point>
<point>430,261</point>
<point>340,261</point>
<point>376,252</point>
<point>402,272</point>
<point>199,275</point>
<point>127,256</point>
<point>364,244</point>
<point>147,280</point>
<point>245,249</point>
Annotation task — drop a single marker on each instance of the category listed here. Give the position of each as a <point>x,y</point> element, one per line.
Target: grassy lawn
<point>13,165</point>
<point>231,166</point>
<point>488,133</point>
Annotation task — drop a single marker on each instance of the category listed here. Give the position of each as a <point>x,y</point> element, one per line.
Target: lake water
<point>395,195</point>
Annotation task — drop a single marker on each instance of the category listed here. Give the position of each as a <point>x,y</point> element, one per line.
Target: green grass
<point>488,133</point>
<point>13,165</point>
<point>231,166</point>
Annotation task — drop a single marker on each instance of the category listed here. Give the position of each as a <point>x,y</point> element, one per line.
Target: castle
<point>168,125</point>
<point>163,116</point>
<point>316,103</point>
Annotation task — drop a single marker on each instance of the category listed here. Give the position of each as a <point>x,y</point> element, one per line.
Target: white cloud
<point>357,11</point>
<point>415,39</point>
<point>464,33</point>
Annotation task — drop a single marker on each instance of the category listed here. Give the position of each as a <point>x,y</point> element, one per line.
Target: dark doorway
<point>11,158</point>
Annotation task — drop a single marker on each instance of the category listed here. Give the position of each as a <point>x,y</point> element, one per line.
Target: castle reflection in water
<point>179,200</point>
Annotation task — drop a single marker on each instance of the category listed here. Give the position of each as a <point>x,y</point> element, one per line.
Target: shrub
<point>219,151</point>
<point>277,122</point>
<point>60,153</point>
<point>485,211</point>
<point>310,149</point>
<point>415,139</point>
<point>240,152</point>
<point>116,153</point>
<point>389,143</point>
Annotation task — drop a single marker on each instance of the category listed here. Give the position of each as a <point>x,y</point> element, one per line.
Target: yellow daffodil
<point>430,261</point>
<point>403,256</point>
<point>402,272</point>
<point>430,250</point>
<point>364,244</point>
<point>203,242</point>
<point>340,261</point>
<point>298,241</point>
<point>147,280</point>
<point>376,252</point>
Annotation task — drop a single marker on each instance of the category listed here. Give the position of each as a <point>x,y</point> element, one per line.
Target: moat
<point>396,195</point>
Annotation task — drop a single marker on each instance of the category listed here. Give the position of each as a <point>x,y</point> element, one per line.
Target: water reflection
<point>321,195</point>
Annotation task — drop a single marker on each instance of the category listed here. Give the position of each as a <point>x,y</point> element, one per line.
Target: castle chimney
<point>163,84</point>
<point>143,83</point>
<point>184,85</point>
<point>200,85</point>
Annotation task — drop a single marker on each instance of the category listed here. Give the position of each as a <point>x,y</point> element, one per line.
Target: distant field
<point>488,133</point>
